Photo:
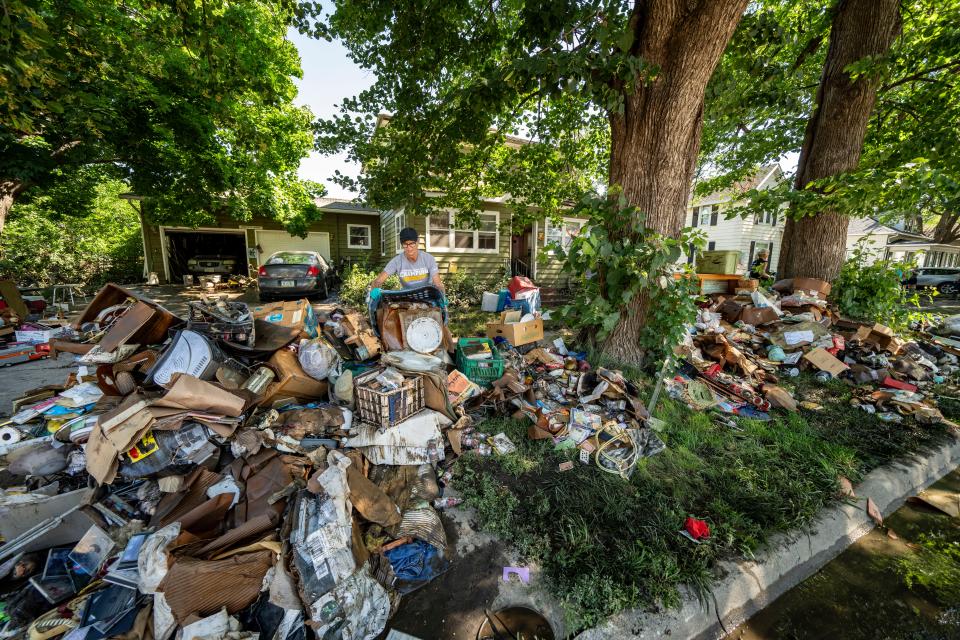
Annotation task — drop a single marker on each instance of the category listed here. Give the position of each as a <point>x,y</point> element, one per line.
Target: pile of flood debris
<point>742,346</point>
<point>260,470</point>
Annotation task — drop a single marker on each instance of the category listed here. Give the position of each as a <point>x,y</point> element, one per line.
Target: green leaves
<point>869,289</point>
<point>619,260</point>
<point>759,100</point>
<point>192,103</point>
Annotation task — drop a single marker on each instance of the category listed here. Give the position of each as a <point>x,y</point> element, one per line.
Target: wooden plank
<point>11,295</point>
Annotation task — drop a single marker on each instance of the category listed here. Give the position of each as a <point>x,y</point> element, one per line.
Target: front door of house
<point>521,246</point>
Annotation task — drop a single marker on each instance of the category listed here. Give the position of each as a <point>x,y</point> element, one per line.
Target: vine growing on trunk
<point>615,259</point>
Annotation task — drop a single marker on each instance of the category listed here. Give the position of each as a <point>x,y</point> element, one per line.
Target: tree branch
<point>808,51</point>
<point>920,75</point>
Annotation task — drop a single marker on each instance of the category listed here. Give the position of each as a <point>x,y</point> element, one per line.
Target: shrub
<point>614,261</point>
<point>353,285</point>
<point>872,292</point>
<point>42,246</point>
<point>465,290</point>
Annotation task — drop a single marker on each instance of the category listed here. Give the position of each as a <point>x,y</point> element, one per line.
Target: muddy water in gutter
<point>860,595</point>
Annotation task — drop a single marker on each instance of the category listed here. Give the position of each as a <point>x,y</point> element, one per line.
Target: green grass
<point>607,544</point>
<point>467,323</point>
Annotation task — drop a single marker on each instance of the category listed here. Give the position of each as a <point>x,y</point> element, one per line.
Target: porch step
<point>552,296</point>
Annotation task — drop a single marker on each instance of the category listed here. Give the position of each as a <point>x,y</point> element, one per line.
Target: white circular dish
<point>424,335</point>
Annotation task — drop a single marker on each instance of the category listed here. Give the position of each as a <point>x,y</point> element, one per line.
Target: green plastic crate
<point>482,372</point>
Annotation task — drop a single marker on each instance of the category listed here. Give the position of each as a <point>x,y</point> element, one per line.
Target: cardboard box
<point>296,314</point>
<point>517,333</point>
<point>824,361</point>
<point>881,336</point>
<point>730,311</point>
<point>152,332</point>
<point>821,288</point>
<point>292,381</point>
<point>750,284</point>
<point>759,315</point>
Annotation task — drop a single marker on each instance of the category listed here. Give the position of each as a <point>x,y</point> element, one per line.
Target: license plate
<point>288,283</point>
<point>209,269</point>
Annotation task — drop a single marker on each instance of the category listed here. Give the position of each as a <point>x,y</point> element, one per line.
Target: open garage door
<point>199,252</point>
<point>273,241</point>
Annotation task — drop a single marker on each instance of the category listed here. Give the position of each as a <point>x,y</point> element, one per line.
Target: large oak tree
<point>863,30</point>
<point>898,161</point>
<point>614,91</point>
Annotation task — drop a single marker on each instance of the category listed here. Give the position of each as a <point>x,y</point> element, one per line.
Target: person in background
<point>414,267</point>
<point>758,269</point>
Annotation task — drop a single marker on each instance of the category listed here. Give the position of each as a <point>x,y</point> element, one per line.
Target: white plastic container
<point>489,302</point>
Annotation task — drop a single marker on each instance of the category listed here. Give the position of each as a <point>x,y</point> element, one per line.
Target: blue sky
<point>329,76</point>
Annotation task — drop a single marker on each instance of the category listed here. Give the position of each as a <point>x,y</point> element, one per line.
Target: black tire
<point>264,297</point>
<point>949,288</point>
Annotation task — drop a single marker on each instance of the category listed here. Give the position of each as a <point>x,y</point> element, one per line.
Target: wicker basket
<point>387,407</point>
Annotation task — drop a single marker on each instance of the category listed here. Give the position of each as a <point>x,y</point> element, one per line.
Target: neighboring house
<point>347,232</point>
<point>490,251</point>
<point>749,235</point>
<point>746,235</point>
<point>893,243</point>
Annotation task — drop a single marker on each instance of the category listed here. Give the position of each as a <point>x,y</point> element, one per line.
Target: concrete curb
<point>745,587</point>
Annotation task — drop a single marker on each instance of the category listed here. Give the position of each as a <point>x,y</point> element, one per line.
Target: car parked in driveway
<point>946,280</point>
<point>294,274</point>
<point>212,264</point>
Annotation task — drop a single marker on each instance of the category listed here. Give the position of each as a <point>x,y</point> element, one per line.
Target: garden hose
<point>621,460</point>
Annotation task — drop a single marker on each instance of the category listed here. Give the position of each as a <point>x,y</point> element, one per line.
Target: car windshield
<point>292,257</point>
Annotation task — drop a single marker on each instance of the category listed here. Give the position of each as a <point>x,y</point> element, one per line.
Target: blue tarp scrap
<point>415,564</point>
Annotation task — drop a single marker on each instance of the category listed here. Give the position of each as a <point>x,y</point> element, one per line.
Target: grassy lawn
<point>466,323</point>
<point>606,544</point>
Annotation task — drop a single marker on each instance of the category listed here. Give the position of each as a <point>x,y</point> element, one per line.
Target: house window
<point>383,239</point>
<point>399,222</point>
<point>358,236</point>
<point>708,215</point>
<point>562,233</point>
<point>711,245</point>
<point>443,234</point>
<point>765,217</point>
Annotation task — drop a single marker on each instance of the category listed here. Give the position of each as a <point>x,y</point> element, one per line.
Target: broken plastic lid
<point>190,353</point>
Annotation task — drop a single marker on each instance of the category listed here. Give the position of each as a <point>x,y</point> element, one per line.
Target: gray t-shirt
<point>414,274</point>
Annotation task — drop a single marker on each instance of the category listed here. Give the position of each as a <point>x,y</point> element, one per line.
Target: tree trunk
<point>814,246</point>
<point>947,229</point>
<point>9,190</point>
<point>655,140</point>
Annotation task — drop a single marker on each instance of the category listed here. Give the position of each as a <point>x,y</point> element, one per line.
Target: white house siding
<point>741,234</point>
<point>876,243</point>
<point>738,234</point>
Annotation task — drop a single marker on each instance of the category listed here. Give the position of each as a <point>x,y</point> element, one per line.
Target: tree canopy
<point>190,103</point>
<point>460,80</point>
<point>763,92</point>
